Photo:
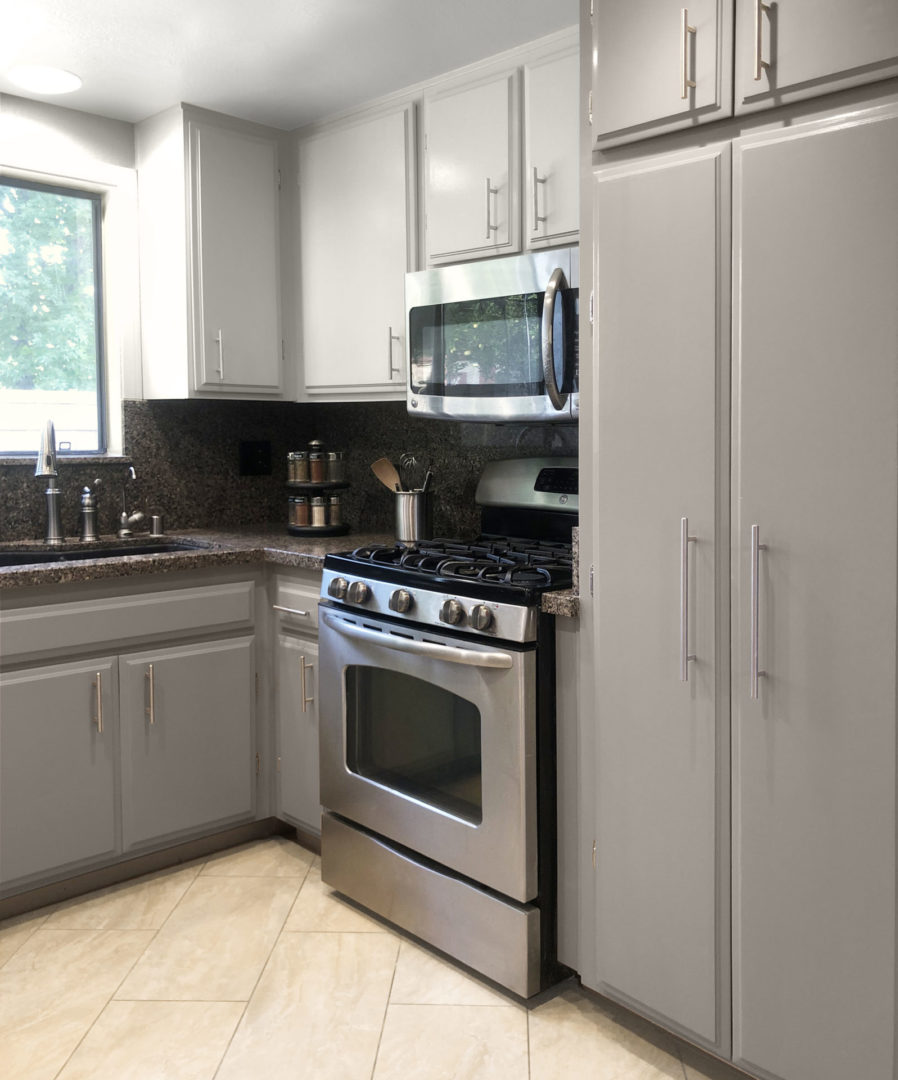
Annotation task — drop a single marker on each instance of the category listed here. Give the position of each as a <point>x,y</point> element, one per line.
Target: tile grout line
<point>137,960</point>
<point>383,1022</point>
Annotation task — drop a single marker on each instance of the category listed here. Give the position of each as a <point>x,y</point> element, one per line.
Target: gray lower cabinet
<point>186,716</point>
<point>660,781</point>
<point>778,755</point>
<point>297,726</point>
<point>58,767</point>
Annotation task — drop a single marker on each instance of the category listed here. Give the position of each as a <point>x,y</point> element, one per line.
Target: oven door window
<point>478,348</point>
<point>414,738</point>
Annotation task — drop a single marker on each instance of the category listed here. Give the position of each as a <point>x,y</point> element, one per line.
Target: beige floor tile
<point>453,1042</point>
<point>573,1035</point>
<point>274,857</point>
<point>215,942</point>
<point>317,1011</point>
<point>155,1040</point>
<point>423,978</point>
<point>53,989</point>
<point>318,907</point>
<point>701,1066</point>
<point>15,932</point>
<point>142,904</point>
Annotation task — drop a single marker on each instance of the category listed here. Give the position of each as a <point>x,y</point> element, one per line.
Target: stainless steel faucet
<point>46,467</point>
<point>135,517</point>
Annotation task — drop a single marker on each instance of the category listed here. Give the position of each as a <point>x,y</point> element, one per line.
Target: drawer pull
<point>292,611</point>
<point>98,719</point>
<point>150,676</point>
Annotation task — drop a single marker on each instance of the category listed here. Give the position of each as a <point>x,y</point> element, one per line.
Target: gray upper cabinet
<point>660,711</point>
<point>659,66</point>
<point>814,512</point>
<point>58,767</point>
<point>186,738</point>
<point>799,49</point>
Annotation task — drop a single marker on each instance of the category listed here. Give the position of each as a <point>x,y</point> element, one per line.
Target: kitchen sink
<point>26,557</point>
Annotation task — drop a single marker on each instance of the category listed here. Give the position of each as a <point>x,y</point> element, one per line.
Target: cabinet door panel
<point>551,131</point>
<point>638,73</point>
<point>816,432</point>
<point>186,738</point>
<point>57,768</point>
<point>659,810</point>
<point>236,315</point>
<point>471,145</point>
<point>355,251</point>
<point>297,719</point>
<point>812,47</point>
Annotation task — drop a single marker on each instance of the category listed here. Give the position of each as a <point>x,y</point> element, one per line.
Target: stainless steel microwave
<point>495,340</point>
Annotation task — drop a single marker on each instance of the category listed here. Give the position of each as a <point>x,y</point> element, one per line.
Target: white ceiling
<point>278,62</point>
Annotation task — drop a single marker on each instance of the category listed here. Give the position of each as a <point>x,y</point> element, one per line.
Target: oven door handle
<point>421,648</point>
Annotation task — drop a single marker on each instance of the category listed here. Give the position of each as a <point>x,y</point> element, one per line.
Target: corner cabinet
<point>745,618</point>
<point>356,242</point>
<point>472,180</point>
<point>209,256</point>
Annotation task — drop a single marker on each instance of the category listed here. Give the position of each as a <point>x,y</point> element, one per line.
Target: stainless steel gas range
<point>437,715</point>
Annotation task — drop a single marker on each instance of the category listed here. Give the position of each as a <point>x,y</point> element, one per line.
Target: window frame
<point>96,200</point>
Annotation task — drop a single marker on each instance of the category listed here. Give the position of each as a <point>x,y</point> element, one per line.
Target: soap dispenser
<point>89,515</point>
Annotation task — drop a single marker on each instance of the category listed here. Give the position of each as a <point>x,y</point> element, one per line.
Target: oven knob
<point>452,612</point>
<point>337,588</point>
<point>481,617</point>
<point>358,592</point>
<point>401,601</point>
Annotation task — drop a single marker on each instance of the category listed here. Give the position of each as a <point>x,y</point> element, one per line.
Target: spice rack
<point>314,475</point>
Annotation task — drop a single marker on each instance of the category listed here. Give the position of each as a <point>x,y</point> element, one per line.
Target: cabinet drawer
<point>296,604</point>
<point>78,625</point>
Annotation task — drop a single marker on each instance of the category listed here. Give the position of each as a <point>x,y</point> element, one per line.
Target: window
<point>51,325</point>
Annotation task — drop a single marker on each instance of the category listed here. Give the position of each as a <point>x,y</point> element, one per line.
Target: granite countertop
<point>253,544</point>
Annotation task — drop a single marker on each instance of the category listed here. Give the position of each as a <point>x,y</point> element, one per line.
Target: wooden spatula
<point>385,471</point>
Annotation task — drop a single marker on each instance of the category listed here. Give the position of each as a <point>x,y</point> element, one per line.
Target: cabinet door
<point>803,48</point>
<point>187,720</point>
<point>472,155</point>
<point>815,468</point>
<point>552,160</point>
<point>297,721</point>
<point>355,241</point>
<point>234,185</point>
<point>649,53</point>
<point>660,784</point>
<point>58,752</point>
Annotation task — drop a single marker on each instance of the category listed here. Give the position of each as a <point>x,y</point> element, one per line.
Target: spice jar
<point>317,467</point>
<point>300,467</point>
<point>319,512</point>
<point>301,505</point>
<point>334,516</point>
<point>336,466</point>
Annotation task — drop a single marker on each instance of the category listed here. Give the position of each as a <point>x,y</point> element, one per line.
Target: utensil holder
<point>414,519</point>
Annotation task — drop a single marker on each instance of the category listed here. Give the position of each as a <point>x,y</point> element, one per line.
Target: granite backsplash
<point>186,455</point>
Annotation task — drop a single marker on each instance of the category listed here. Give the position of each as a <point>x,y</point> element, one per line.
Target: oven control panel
<point>429,607</point>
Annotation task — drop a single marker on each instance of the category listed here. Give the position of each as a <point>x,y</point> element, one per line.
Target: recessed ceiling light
<point>44,80</point>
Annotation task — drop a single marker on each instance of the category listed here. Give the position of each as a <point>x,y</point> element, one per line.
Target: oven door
<point>429,740</point>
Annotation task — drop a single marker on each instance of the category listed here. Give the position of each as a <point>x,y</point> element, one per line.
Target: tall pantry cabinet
<point>745,549</point>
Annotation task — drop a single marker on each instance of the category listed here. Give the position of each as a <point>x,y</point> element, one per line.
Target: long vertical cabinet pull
<point>98,719</point>
<point>754,672</point>
<point>219,340</point>
<point>391,370</point>
<point>490,191</point>
<point>685,655</point>
<point>303,668</point>
<point>760,64</point>
<point>150,676</point>
<point>537,217</point>
<point>685,30</point>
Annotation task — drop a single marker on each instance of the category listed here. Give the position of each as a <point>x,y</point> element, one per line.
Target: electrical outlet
<point>255,458</point>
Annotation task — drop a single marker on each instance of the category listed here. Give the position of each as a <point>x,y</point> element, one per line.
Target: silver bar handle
<point>98,719</point>
<point>291,611</point>
<point>303,668</point>
<point>490,191</point>
<point>685,31</point>
<point>556,283</point>
<point>450,653</point>
<point>150,677</point>
<point>391,371</point>
<point>537,180</point>
<point>685,655</point>
<point>220,342</point>
<point>754,669</point>
<point>760,64</point>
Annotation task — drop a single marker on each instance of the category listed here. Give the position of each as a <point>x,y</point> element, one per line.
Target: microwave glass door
<point>415,738</point>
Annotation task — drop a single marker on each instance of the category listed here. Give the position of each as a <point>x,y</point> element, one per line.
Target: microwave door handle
<point>556,284</point>
<point>420,648</point>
